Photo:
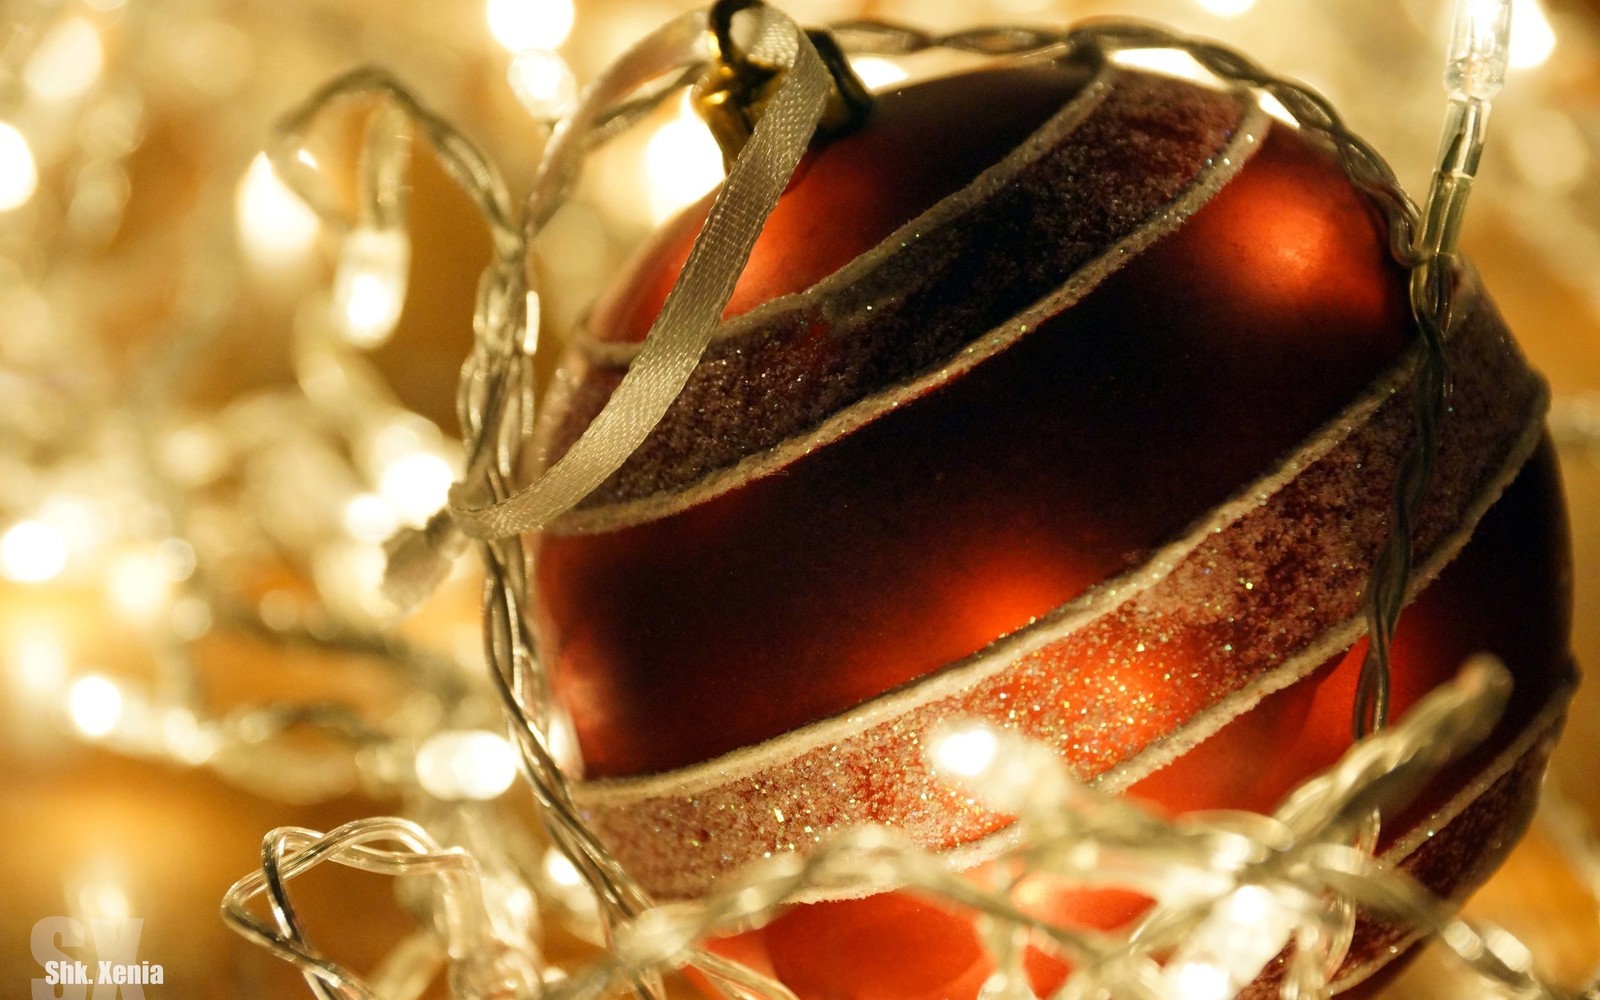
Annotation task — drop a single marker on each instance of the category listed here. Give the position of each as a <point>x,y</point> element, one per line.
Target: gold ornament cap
<point>734,91</point>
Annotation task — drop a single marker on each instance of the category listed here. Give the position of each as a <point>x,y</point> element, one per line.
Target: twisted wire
<point>495,405</point>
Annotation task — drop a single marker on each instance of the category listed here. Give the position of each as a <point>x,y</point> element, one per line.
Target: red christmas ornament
<point>1066,397</point>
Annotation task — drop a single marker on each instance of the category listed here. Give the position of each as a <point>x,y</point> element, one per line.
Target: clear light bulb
<point>1479,49</point>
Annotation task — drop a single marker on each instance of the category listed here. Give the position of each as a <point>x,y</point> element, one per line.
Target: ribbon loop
<point>676,341</point>
<point>693,309</point>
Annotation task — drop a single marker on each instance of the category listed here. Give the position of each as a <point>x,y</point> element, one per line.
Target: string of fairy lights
<point>152,517</point>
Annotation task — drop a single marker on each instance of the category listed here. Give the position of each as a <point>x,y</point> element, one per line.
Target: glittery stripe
<point>904,317</point>
<point>1256,596</point>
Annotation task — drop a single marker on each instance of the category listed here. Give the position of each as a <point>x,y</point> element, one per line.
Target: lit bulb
<point>416,485</point>
<point>966,752</point>
<point>1476,65</point>
<point>19,175</point>
<point>67,61</point>
<point>32,552</point>
<point>1231,946</point>
<point>530,24</point>
<point>1200,981</point>
<point>95,704</point>
<point>466,764</point>
<point>543,83</point>
<point>681,162</point>
<point>369,291</point>
<point>876,72</point>
<point>275,226</point>
<point>1005,772</point>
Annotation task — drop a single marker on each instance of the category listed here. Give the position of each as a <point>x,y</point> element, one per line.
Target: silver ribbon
<point>694,308</point>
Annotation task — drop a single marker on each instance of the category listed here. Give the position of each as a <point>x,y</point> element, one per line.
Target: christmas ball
<point>1065,397</point>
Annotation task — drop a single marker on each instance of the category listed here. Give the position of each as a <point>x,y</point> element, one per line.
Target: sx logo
<point>116,973</point>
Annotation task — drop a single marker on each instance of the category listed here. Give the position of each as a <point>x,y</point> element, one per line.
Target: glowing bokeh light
<point>139,585</point>
<point>416,484</point>
<point>104,899</point>
<point>95,704</point>
<point>466,764</point>
<point>19,175</point>
<point>1200,981</point>
<point>67,61</point>
<point>1533,38</point>
<point>369,291</point>
<point>84,523</point>
<point>1549,149</point>
<point>275,226</point>
<point>37,659</point>
<point>681,162</point>
<point>543,83</point>
<point>186,738</point>
<point>368,517</point>
<point>966,752</point>
<point>32,552</point>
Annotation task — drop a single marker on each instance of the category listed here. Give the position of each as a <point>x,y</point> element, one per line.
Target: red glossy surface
<point>850,194</point>
<point>923,536</point>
